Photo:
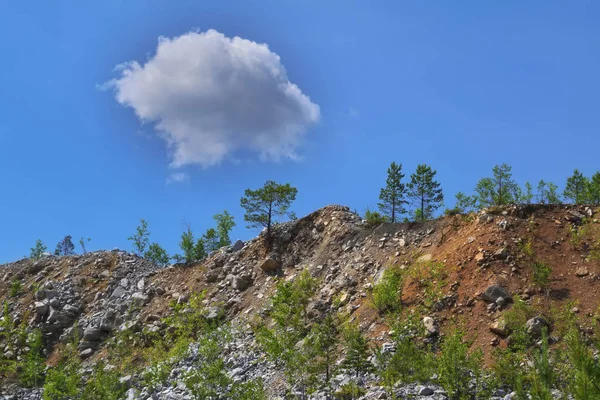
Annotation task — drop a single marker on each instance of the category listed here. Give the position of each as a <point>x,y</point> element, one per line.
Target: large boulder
<point>239,283</point>
<point>493,292</point>
<point>270,264</point>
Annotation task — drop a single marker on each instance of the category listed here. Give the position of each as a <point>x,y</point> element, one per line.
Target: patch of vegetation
<point>15,287</point>
<point>386,295</point>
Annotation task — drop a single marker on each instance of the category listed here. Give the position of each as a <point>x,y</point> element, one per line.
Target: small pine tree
<point>528,195</point>
<point>65,247</point>
<point>593,190</point>
<point>575,189</point>
<point>32,374</point>
<point>211,240</point>
<point>498,190</point>
<point>425,192</point>
<point>193,250</point>
<point>392,196</point>
<point>224,225</point>
<point>357,351</point>
<point>38,250</point>
<point>141,238</point>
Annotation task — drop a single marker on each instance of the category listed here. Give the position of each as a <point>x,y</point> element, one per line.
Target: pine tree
<point>224,225</point>
<point>65,247</point>
<point>528,196</point>
<point>264,205</point>
<point>392,195</point>
<point>357,351</point>
<point>38,250</point>
<point>425,192</point>
<point>593,189</point>
<point>211,240</point>
<point>157,254</point>
<point>576,186</point>
<point>498,190</point>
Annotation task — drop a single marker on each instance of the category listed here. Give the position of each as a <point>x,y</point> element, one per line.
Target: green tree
<point>324,341</point>
<point>82,244</point>
<point>38,250</point>
<point>224,225</point>
<point>455,365</point>
<point>498,190</point>
<point>65,247</point>
<point>157,254</point>
<point>193,250</point>
<point>392,195</point>
<point>210,240</point>
<point>547,193</point>
<point>593,189</point>
<point>584,370</point>
<point>464,203</point>
<point>282,340</point>
<point>357,349</point>
<point>542,373</point>
<point>264,205</point>
<point>575,189</point>
<point>528,195</point>
<point>32,374</point>
<point>141,238</point>
<point>425,192</point>
<point>373,218</point>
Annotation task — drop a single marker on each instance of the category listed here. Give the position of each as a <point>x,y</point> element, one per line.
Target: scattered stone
<point>270,264</point>
<point>493,292</point>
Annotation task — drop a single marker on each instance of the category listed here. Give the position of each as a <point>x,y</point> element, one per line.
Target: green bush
<point>15,287</point>
<point>104,384</point>
<point>61,383</point>
<point>33,368</point>
<point>157,255</point>
<point>386,295</point>
<point>456,365</point>
<point>541,274</point>
<point>374,218</point>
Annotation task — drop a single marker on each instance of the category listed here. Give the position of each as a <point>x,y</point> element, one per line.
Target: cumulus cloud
<point>210,97</point>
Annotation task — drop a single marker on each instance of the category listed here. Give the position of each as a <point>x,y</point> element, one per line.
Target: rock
<point>212,275</point>
<point>270,264</point>
<point>480,258</point>
<point>430,326</point>
<point>493,292</point>
<point>213,313</point>
<point>93,334</point>
<point>286,237</point>
<point>501,254</point>
<point>104,274</point>
<point>500,302</point>
<point>499,327</point>
<point>141,284</point>
<point>139,299</point>
<point>118,293</point>
<point>239,283</point>
<point>425,391</point>
<point>237,246</point>
<point>41,309</point>
<point>582,271</point>
<point>535,326</point>
<point>86,353</point>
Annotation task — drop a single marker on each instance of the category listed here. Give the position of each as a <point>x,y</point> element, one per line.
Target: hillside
<point>450,265</point>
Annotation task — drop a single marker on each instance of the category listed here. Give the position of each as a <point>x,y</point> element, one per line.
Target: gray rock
<point>493,292</point>
<point>270,264</point>
<point>118,293</point>
<point>237,246</point>
<point>535,326</point>
<point>239,283</point>
<point>139,299</point>
<point>430,326</point>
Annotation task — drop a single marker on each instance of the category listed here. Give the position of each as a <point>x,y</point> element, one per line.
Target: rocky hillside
<point>462,270</point>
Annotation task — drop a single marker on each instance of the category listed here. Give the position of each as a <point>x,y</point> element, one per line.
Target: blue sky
<point>461,86</point>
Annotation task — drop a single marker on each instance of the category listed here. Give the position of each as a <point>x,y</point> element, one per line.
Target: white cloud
<point>177,177</point>
<point>210,96</point>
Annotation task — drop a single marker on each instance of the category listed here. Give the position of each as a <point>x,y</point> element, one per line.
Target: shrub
<point>374,218</point>
<point>584,370</point>
<point>541,274</point>
<point>15,287</point>
<point>61,383</point>
<point>157,255</point>
<point>141,237</point>
<point>386,295</point>
<point>455,366</point>
<point>104,384</point>
<point>32,373</point>
<point>350,391</point>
